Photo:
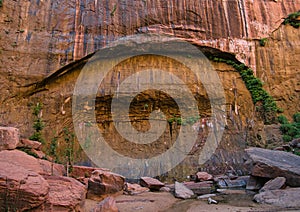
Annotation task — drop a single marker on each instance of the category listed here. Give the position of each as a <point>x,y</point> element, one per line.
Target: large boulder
<point>22,159</point>
<point>271,164</point>
<point>102,183</point>
<point>21,189</point>
<point>287,198</point>
<point>9,138</point>
<point>65,194</point>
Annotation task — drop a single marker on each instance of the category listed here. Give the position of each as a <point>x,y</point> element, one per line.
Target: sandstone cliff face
<point>49,34</point>
<point>40,37</point>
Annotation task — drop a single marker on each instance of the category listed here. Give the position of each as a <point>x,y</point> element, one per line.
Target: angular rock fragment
<point>151,183</point>
<point>181,191</point>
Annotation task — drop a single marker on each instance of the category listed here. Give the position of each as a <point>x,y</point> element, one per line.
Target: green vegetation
<point>38,124</point>
<point>290,130</point>
<point>69,153</point>
<point>112,13</point>
<point>53,148</point>
<point>293,19</point>
<point>181,121</point>
<point>264,102</point>
<point>263,41</point>
<point>1,3</point>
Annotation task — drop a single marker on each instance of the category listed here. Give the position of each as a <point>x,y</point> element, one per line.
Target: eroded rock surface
<point>9,138</point>
<point>287,198</point>
<point>103,183</point>
<point>21,189</point>
<point>272,164</point>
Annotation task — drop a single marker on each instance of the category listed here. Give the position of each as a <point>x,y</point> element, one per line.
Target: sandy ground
<point>162,201</point>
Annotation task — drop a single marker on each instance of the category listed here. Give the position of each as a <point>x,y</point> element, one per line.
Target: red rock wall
<point>38,37</point>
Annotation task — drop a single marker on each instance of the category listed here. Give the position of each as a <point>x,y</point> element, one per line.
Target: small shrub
<point>296,117</point>
<point>38,124</point>
<point>263,41</point>
<point>290,131</point>
<point>292,20</point>
<point>282,119</point>
<point>268,109</point>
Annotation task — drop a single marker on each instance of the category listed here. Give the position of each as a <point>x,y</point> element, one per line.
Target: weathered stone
<point>165,189</point>
<point>84,171</point>
<point>9,138</point>
<point>22,159</point>
<point>204,176</point>
<point>272,164</point>
<point>20,189</point>
<point>200,188</point>
<point>134,189</point>
<point>255,183</point>
<point>181,191</point>
<point>50,168</point>
<point>274,184</point>
<point>106,205</point>
<point>295,143</point>
<point>286,198</point>
<point>102,183</point>
<point>226,182</point>
<point>65,194</point>
<point>29,144</point>
<point>38,153</point>
<point>151,183</point>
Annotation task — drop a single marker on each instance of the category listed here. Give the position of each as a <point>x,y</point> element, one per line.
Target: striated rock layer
<point>40,37</point>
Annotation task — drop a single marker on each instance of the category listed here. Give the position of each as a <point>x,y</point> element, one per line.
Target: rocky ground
<point>30,183</point>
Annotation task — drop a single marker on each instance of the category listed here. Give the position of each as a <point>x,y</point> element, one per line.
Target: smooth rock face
<point>204,176</point>
<point>151,183</point>
<point>65,194</point>
<point>181,191</point>
<point>103,183</point>
<point>274,184</point>
<point>9,138</point>
<point>272,164</point>
<point>287,198</point>
<point>106,205</point>
<point>21,189</point>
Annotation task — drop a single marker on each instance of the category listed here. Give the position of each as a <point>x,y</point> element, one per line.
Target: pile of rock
<point>276,175</point>
<point>29,183</point>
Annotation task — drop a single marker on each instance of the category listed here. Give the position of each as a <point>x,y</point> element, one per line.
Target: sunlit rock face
<point>41,37</point>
